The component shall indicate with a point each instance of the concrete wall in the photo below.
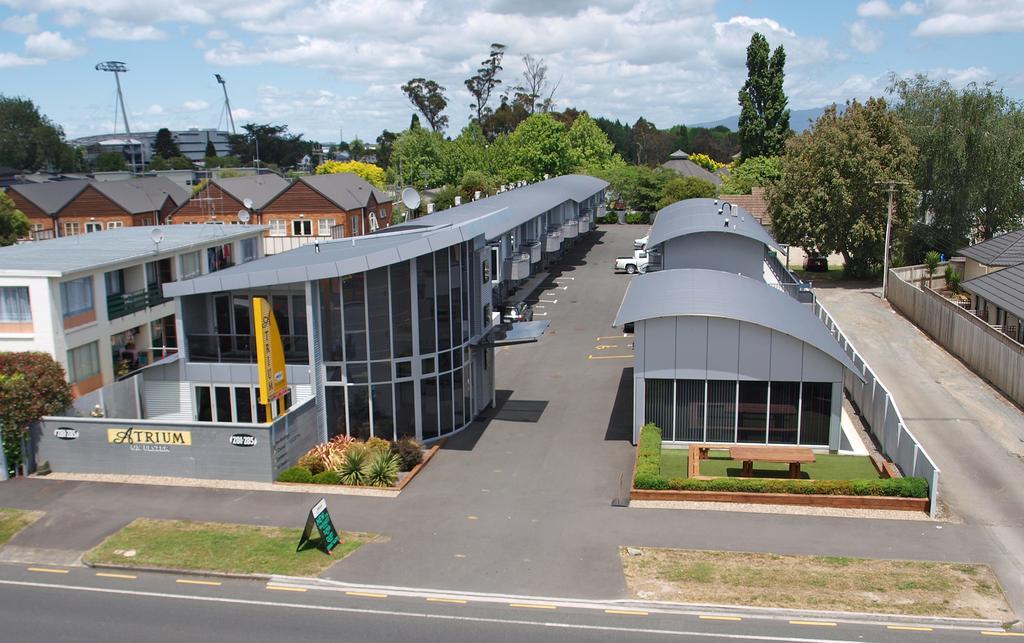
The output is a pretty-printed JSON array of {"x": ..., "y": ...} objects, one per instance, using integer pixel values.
[
  {"x": 293, "y": 435},
  {"x": 715, "y": 251},
  {"x": 986, "y": 351}
]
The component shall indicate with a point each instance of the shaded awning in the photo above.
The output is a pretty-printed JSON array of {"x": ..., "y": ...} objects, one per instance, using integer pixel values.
[{"x": 515, "y": 333}]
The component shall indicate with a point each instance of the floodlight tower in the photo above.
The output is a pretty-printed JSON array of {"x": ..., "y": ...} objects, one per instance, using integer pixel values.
[
  {"x": 118, "y": 68},
  {"x": 227, "y": 103}
]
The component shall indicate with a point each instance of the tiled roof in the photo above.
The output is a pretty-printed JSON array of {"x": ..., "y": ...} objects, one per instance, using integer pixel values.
[
  {"x": 1004, "y": 250},
  {"x": 1004, "y": 288},
  {"x": 754, "y": 203}
]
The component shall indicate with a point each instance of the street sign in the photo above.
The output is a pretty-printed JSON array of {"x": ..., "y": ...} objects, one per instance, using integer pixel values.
[{"x": 320, "y": 518}]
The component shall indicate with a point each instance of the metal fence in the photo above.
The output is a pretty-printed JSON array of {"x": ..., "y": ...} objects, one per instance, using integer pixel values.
[
  {"x": 986, "y": 351},
  {"x": 882, "y": 415}
]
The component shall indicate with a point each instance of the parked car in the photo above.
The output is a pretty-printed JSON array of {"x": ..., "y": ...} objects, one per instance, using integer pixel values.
[
  {"x": 641, "y": 243},
  {"x": 634, "y": 264},
  {"x": 517, "y": 313},
  {"x": 816, "y": 263},
  {"x": 628, "y": 328}
]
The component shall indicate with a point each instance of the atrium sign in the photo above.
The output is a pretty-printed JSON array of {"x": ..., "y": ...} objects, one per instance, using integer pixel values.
[{"x": 153, "y": 440}]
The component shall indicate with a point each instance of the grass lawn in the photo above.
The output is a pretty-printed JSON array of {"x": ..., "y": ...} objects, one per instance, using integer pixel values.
[
  {"x": 814, "y": 582},
  {"x": 835, "y": 273},
  {"x": 218, "y": 547},
  {"x": 825, "y": 467},
  {"x": 14, "y": 520}
]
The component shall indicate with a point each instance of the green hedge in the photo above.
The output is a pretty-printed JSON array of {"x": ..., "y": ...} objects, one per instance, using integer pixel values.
[
  {"x": 638, "y": 217},
  {"x": 295, "y": 474},
  {"x": 327, "y": 477},
  {"x": 648, "y": 460}
]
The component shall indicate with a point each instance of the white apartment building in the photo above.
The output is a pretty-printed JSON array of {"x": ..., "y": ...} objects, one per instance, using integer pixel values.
[{"x": 95, "y": 302}]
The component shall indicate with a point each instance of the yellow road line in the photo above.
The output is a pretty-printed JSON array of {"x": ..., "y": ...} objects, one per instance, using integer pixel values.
[
  {"x": 609, "y": 356},
  {"x": 627, "y": 612},
  {"x": 47, "y": 570},
  {"x": 708, "y": 617},
  {"x": 999, "y": 633},
  {"x": 909, "y": 628},
  {"x": 282, "y": 588},
  {"x": 614, "y": 337},
  {"x": 186, "y": 581},
  {"x": 458, "y": 601},
  {"x": 820, "y": 623},
  {"x": 534, "y": 606},
  {"x": 367, "y": 594},
  {"x": 109, "y": 575}
]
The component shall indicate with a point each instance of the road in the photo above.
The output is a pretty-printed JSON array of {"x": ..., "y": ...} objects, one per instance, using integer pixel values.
[{"x": 82, "y": 605}]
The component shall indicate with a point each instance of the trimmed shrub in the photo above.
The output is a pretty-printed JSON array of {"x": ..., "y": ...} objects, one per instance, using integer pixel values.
[
  {"x": 648, "y": 461},
  {"x": 295, "y": 474},
  {"x": 892, "y": 487},
  {"x": 353, "y": 465},
  {"x": 327, "y": 477},
  {"x": 313, "y": 462},
  {"x": 382, "y": 470},
  {"x": 638, "y": 217},
  {"x": 409, "y": 452},
  {"x": 378, "y": 444}
]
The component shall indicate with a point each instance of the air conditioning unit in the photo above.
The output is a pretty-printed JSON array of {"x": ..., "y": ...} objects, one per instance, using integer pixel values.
[{"x": 458, "y": 200}]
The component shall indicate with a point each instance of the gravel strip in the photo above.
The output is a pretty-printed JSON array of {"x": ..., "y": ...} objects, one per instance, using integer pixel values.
[
  {"x": 238, "y": 485},
  {"x": 781, "y": 509}
]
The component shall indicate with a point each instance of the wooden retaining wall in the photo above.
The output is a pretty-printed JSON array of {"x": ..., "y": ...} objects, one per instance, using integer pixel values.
[{"x": 801, "y": 499}]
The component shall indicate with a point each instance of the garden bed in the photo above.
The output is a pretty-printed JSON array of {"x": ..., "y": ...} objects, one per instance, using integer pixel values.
[{"x": 333, "y": 468}]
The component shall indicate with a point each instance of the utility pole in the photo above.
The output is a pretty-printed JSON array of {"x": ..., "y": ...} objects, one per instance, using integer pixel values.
[{"x": 891, "y": 189}]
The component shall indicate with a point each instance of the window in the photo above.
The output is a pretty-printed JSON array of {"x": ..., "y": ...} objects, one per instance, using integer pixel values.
[
  {"x": 76, "y": 296},
  {"x": 815, "y": 413},
  {"x": 302, "y": 227},
  {"x": 277, "y": 227},
  {"x": 782, "y": 412},
  {"x": 721, "y": 410},
  {"x": 248, "y": 247},
  {"x": 355, "y": 225},
  {"x": 93, "y": 226},
  {"x": 324, "y": 227},
  {"x": 114, "y": 224},
  {"x": 753, "y": 412},
  {"x": 72, "y": 228},
  {"x": 14, "y": 305},
  {"x": 190, "y": 266},
  {"x": 689, "y": 410},
  {"x": 658, "y": 405},
  {"x": 114, "y": 281},
  {"x": 495, "y": 263},
  {"x": 83, "y": 362},
  {"x": 218, "y": 258}
]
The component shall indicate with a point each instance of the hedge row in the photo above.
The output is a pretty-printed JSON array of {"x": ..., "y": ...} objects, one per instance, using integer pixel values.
[{"x": 648, "y": 459}]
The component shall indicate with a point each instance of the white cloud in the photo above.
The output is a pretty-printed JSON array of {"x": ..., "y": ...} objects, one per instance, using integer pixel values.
[
  {"x": 863, "y": 38},
  {"x": 911, "y": 9},
  {"x": 28, "y": 23},
  {"x": 971, "y": 17},
  {"x": 217, "y": 34},
  {"x": 51, "y": 46},
  {"x": 875, "y": 9},
  {"x": 155, "y": 109},
  {"x": 116, "y": 30},
  {"x": 194, "y": 105},
  {"x": 9, "y": 60}
]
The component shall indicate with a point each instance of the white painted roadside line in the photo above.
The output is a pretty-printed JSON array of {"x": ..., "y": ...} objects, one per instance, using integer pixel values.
[
  {"x": 540, "y": 314},
  {"x": 420, "y": 615},
  {"x": 548, "y": 301},
  {"x": 560, "y": 278}
]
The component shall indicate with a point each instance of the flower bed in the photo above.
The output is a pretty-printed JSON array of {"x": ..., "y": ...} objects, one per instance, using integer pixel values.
[
  {"x": 346, "y": 461},
  {"x": 650, "y": 484}
]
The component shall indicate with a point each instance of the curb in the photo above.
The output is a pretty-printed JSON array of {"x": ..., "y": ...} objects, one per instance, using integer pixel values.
[{"x": 177, "y": 571}]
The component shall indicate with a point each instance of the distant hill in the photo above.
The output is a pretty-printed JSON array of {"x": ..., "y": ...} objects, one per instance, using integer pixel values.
[{"x": 799, "y": 120}]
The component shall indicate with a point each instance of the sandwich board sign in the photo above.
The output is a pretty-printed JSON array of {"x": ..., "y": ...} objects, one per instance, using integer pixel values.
[{"x": 320, "y": 519}]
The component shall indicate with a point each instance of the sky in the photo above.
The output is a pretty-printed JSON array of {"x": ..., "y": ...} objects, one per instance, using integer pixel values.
[{"x": 333, "y": 69}]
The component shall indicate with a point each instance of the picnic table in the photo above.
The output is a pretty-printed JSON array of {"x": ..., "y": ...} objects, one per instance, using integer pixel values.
[{"x": 794, "y": 456}]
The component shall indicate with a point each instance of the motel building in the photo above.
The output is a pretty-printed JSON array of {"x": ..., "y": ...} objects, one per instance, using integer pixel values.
[
  {"x": 390, "y": 334},
  {"x": 727, "y": 346}
]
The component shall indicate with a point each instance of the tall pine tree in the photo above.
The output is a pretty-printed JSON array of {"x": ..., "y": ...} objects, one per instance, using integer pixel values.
[{"x": 764, "y": 117}]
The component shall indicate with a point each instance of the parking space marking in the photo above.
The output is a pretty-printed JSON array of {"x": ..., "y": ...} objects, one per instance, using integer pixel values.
[
  {"x": 123, "y": 576},
  {"x": 548, "y": 301},
  {"x": 186, "y": 581},
  {"x": 47, "y": 570},
  {"x": 569, "y": 278},
  {"x": 614, "y": 337},
  {"x": 609, "y": 356}
]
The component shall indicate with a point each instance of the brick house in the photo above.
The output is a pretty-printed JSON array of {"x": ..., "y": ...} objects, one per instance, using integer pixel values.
[
  {"x": 313, "y": 206},
  {"x": 220, "y": 200},
  {"x": 754, "y": 203},
  {"x": 66, "y": 208}
]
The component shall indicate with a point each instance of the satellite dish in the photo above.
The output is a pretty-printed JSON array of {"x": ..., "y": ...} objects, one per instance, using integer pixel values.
[
  {"x": 247, "y": 203},
  {"x": 157, "y": 235},
  {"x": 410, "y": 198},
  {"x": 243, "y": 215}
]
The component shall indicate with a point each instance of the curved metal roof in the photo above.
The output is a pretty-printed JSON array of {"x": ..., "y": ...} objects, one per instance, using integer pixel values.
[
  {"x": 692, "y": 216},
  {"x": 713, "y": 293}
]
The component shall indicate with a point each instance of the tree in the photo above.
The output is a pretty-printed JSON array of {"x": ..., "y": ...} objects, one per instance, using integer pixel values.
[
  {"x": 618, "y": 134},
  {"x": 474, "y": 181},
  {"x": 686, "y": 187},
  {"x": 756, "y": 171},
  {"x": 482, "y": 84},
  {"x": 764, "y": 117},
  {"x": 970, "y": 163},
  {"x": 445, "y": 197},
  {"x": 428, "y": 97},
  {"x": 222, "y": 161},
  {"x": 931, "y": 262},
  {"x": 110, "y": 162},
  {"x": 14, "y": 224},
  {"x": 540, "y": 146},
  {"x": 173, "y": 163},
  {"x": 535, "y": 83},
  {"x": 831, "y": 197},
  {"x": 414, "y": 122},
  {"x": 639, "y": 186},
  {"x": 32, "y": 385},
  {"x": 416, "y": 158},
  {"x": 357, "y": 148},
  {"x": 273, "y": 143},
  {"x": 211, "y": 150},
  {"x": 385, "y": 143},
  {"x": 506, "y": 118},
  {"x": 165, "y": 146},
  {"x": 649, "y": 145},
  {"x": 588, "y": 145},
  {"x": 29, "y": 141},
  {"x": 367, "y": 171}
]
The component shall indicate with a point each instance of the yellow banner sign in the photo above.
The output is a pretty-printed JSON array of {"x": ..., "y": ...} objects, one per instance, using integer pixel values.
[
  {"x": 162, "y": 437},
  {"x": 269, "y": 353}
]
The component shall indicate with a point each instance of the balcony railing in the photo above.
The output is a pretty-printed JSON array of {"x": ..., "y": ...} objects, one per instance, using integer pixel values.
[
  {"x": 533, "y": 249},
  {"x": 121, "y": 304},
  {"x": 518, "y": 266},
  {"x": 241, "y": 349},
  {"x": 553, "y": 239}
]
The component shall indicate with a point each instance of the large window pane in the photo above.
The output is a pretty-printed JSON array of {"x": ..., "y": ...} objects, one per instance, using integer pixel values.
[
  {"x": 405, "y": 410},
  {"x": 14, "y": 304},
  {"x": 359, "y": 412},
  {"x": 721, "y": 411},
  {"x": 428, "y": 402},
  {"x": 335, "y": 410},
  {"x": 352, "y": 297},
  {"x": 383, "y": 413},
  {"x": 401, "y": 309},
  {"x": 299, "y": 315},
  {"x": 455, "y": 277},
  {"x": 447, "y": 419},
  {"x": 444, "y": 303},
  {"x": 815, "y": 413},
  {"x": 223, "y": 398},
  {"x": 782, "y": 416},
  {"x": 689, "y": 410},
  {"x": 83, "y": 362},
  {"x": 753, "y": 412},
  {"x": 204, "y": 406},
  {"x": 425, "y": 301},
  {"x": 658, "y": 405},
  {"x": 243, "y": 404},
  {"x": 377, "y": 309},
  {"x": 76, "y": 296},
  {"x": 460, "y": 410},
  {"x": 330, "y": 319}
]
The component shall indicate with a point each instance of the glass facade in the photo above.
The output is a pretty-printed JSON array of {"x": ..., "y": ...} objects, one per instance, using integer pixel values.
[
  {"x": 751, "y": 412},
  {"x": 395, "y": 345}
]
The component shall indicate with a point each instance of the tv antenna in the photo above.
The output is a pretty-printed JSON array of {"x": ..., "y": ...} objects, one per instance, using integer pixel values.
[
  {"x": 118, "y": 68},
  {"x": 227, "y": 104}
]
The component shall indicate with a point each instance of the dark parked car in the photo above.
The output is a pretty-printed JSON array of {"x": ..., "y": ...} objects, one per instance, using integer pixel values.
[
  {"x": 627, "y": 328},
  {"x": 517, "y": 313},
  {"x": 816, "y": 263}
]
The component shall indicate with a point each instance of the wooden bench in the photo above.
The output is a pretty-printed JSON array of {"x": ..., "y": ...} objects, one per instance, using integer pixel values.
[
  {"x": 885, "y": 468},
  {"x": 697, "y": 452},
  {"x": 794, "y": 456}
]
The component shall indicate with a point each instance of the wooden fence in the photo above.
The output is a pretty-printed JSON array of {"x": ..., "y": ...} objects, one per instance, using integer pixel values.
[{"x": 986, "y": 351}]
